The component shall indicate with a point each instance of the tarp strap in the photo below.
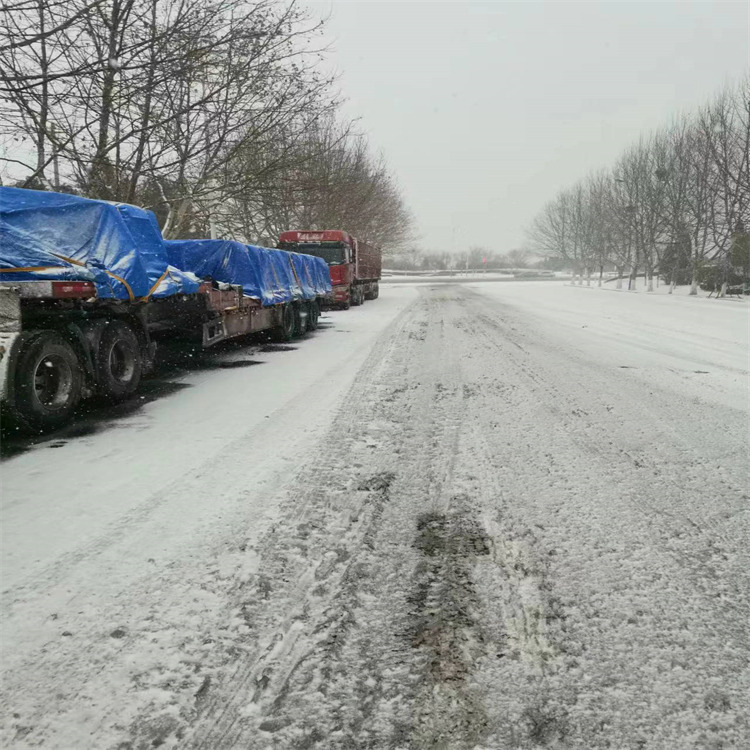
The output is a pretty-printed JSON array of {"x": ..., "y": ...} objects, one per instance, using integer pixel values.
[
  {"x": 123, "y": 282},
  {"x": 109, "y": 273},
  {"x": 275, "y": 275},
  {"x": 155, "y": 286},
  {"x": 31, "y": 269},
  {"x": 294, "y": 271},
  {"x": 309, "y": 277}
]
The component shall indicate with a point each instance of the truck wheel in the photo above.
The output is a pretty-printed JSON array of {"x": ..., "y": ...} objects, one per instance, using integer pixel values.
[
  {"x": 356, "y": 296},
  {"x": 118, "y": 361},
  {"x": 312, "y": 315},
  {"x": 300, "y": 320},
  {"x": 375, "y": 290},
  {"x": 47, "y": 382},
  {"x": 285, "y": 330}
]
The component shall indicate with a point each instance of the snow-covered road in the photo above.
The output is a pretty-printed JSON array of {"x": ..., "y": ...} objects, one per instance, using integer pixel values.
[{"x": 463, "y": 516}]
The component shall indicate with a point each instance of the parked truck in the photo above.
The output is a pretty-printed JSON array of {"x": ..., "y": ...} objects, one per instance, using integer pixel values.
[
  {"x": 354, "y": 265},
  {"x": 86, "y": 285}
]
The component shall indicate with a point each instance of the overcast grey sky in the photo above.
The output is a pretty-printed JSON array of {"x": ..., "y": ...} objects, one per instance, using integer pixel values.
[{"x": 485, "y": 109}]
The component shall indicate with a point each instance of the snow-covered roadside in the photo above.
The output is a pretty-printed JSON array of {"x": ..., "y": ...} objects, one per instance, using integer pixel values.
[
  {"x": 459, "y": 277},
  {"x": 640, "y": 288},
  {"x": 103, "y": 536},
  {"x": 698, "y": 344}
]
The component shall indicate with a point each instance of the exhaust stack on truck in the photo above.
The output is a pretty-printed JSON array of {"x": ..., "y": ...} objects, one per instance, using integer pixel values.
[{"x": 354, "y": 265}]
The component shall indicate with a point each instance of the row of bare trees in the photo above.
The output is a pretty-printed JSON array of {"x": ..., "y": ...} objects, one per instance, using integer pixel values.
[
  {"x": 675, "y": 205},
  {"x": 215, "y": 113},
  {"x": 476, "y": 258}
]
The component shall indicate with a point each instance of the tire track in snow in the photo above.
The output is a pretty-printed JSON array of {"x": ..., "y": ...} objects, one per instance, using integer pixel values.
[
  {"x": 563, "y": 472},
  {"x": 574, "y": 419},
  {"x": 335, "y": 671}
]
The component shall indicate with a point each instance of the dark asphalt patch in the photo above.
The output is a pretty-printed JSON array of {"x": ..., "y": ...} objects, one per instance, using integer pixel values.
[
  {"x": 445, "y": 629},
  {"x": 277, "y": 348}
]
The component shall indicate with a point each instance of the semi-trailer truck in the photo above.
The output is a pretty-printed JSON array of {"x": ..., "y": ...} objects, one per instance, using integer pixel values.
[
  {"x": 354, "y": 265},
  {"x": 85, "y": 285}
]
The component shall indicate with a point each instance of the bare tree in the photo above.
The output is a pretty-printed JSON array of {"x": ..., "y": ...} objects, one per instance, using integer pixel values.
[{"x": 677, "y": 200}]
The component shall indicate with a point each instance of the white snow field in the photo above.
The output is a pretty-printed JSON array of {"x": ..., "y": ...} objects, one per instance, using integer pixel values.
[{"x": 464, "y": 516}]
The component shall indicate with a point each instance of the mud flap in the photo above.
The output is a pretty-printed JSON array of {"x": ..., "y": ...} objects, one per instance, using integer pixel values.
[{"x": 213, "y": 332}]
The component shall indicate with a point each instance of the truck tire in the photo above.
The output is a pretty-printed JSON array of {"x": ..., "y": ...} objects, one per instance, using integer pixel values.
[
  {"x": 300, "y": 320},
  {"x": 356, "y": 296},
  {"x": 313, "y": 315},
  {"x": 47, "y": 382},
  {"x": 118, "y": 361},
  {"x": 285, "y": 330},
  {"x": 375, "y": 290}
]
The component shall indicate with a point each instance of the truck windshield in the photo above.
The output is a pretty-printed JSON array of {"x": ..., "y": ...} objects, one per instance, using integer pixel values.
[{"x": 333, "y": 254}]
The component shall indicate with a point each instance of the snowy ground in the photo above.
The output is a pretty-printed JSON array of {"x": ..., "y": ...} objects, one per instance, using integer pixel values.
[
  {"x": 459, "y": 276},
  {"x": 463, "y": 516}
]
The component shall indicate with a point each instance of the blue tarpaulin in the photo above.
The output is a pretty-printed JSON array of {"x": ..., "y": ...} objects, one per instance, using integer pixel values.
[
  {"x": 271, "y": 276},
  {"x": 223, "y": 260},
  {"x": 281, "y": 269},
  {"x": 276, "y": 273},
  {"x": 313, "y": 274},
  {"x": 321, "y": 273},
  {"x": 303, "y": 272},
  {"x": 54, "y": 236},
  {"x": 295, "y": 275},
  {"x": 118, "y": 247}
]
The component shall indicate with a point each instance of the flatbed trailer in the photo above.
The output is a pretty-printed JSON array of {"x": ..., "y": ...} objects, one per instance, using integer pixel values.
[
  {"x": 59, "y": 343},
  {"x": 86, "y": 285}
]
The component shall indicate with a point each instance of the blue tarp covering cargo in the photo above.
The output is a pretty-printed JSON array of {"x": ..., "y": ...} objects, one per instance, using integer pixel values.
[
  {"x": 274, "y": 289},
  {"x": 226, "y": 261},
  {"x": 277, "y": 273},
  {"x": 264, "y": 274},
  {"x": 282, "y": 265},
  {"x": 304, "y": 271},
  {"x": 322, "y": 274},
  {"x": 52, "y": 236}
]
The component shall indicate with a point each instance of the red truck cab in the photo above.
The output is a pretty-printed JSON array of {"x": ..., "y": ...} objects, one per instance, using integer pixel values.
[{"x": 354, "y": 265}]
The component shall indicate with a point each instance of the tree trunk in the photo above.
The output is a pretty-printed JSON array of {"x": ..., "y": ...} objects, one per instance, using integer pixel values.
[
  {"x": 55, "y": 157},
  {"x": 694, "y": 283},
  {"x": 146, "y": 116},
  {"x": 175, "y": 226},
  {"x": 694, "y": 270},
  {"x": 723, "y": 290},
  {"x": 101, "y": 167},
  {"x": 41, "y": 157},
  {"x": 601, "y": 273},
  {"x": 619, "y": 277},
  {"x": 650, "y": 280}
]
